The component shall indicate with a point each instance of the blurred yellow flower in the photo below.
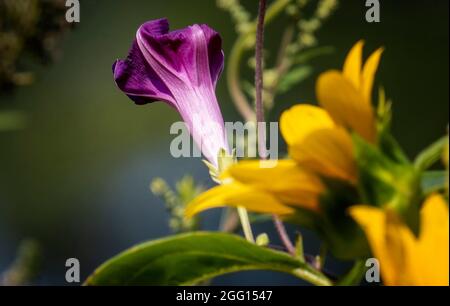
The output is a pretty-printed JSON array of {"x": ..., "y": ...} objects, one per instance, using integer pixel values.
[
  {"x": 319, "y": 144},
  {"x": 347, "y": 95},
  {"x": 404, "y": 258},
  {"x": 319, "y": 138}
]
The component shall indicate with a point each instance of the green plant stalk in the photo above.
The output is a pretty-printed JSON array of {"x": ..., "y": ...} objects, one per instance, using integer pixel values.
[
  {"x": 283, "y": 63},
  {"x": 229, "y": 220},
  {"x": 233, "y": 72},
  {"x": 245, "y": 222}
]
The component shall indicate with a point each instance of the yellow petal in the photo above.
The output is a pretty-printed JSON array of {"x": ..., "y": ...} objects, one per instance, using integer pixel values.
[
  {"x": 317, "y": 143},
  {"x": 353, "y": 64},
  {"x": 236, "y": 194},
  {"x": 328, "y": 152},
  {"x": 301, "y": 120},
  {"x": 392, "y": 243},
  {"x": 345, "y": 104},
  {"x": 404, "y": 259},
  {"x": 287, "y": 181},
  {"x": 434, "y": 242},
  {"x": 368, "y": 74},
  {"x": 373, "y": 222}
]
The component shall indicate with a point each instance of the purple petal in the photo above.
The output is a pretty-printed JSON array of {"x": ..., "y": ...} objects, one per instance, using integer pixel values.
[
  {"x": 136, "y": 78},
  {"x": 156, "y": 27},
  {"x": 215, "y": 53}
]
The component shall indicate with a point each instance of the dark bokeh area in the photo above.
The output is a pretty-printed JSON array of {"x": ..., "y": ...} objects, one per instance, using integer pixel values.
[{"x": 76, "y": 176}]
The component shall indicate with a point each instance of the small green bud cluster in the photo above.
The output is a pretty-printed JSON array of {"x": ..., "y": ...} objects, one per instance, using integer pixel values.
[{"x": 185, "y": 191}]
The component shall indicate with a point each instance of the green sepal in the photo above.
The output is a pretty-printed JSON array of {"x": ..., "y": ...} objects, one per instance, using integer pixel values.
[{"x": 385, "y": 180}]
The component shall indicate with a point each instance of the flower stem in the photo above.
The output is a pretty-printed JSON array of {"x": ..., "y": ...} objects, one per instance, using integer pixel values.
[
  {"x": 281, "y": 230},
  {"x": 259, "y": 79},
  {"x": 234, "y": 63},
  {"x": 259, "y": 85},
  {"x": 245, "y": 222},
  {"x": 233, "y": 72},
  {"x": 229, "y": 220},
  {"x": 243, "y": 215},
  {"x": 283, "y": 64}
]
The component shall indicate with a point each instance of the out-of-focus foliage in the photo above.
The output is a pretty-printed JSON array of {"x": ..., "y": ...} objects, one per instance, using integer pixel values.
[
  {"x": 11, "y": 120},
  {"x": 25, "y": 267},
  {"x": 28, "y": 29}
]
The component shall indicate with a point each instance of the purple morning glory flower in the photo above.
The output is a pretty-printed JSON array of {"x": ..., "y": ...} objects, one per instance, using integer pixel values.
[{"x": 180, "y": 68}]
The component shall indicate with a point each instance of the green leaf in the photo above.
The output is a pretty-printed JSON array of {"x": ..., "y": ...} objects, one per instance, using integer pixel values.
[
  {"x": 433, "y": 181},
  {"x": 294, "y": 77},
  {"x": 249, "y": 89},
  {"x": 188, "y": 259},
  {"x": 355, "y": 276},
  {"x": 431, "y": 155},
  {"x": 308, "y": 55}
]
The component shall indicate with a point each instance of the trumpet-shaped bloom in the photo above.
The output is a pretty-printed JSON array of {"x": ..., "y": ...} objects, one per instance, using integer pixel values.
[
  {"x": 404, "y": 258},
  {"x": 181, "y": 68}
]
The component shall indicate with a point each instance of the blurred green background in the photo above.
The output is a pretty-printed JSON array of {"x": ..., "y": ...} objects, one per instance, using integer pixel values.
[{"x": 76, "y": 176}]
